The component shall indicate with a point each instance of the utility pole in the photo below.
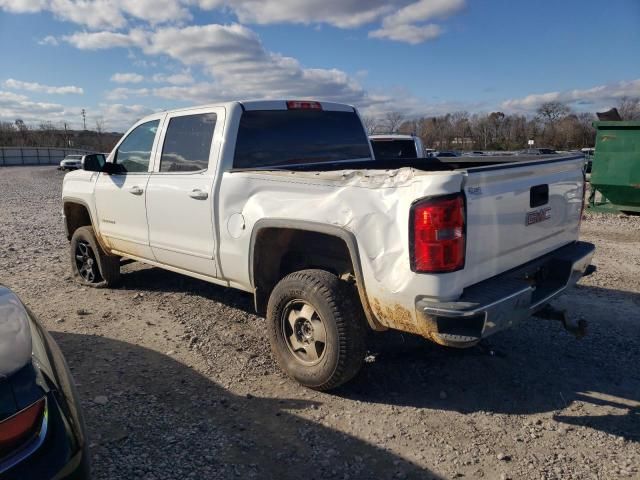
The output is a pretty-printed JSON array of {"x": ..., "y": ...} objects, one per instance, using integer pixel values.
[
  {"x": 66, "y": 136},
  {"x": 84, "y": 118}
]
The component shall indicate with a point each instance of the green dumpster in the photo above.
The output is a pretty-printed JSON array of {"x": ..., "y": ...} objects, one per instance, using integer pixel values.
[{"x": 615, "y": 172}]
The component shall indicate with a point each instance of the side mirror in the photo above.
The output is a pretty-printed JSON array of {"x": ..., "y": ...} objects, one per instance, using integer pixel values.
[{"x": 93, "y": 162}]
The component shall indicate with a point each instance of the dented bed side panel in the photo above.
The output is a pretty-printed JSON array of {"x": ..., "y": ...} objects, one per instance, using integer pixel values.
[{"x": 372, "y": 205}]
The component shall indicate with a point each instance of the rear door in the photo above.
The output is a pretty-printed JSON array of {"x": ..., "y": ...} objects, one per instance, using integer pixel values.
[
  {"x": 516, "y": 213},
  {"x": 180, "y": 191},
  {"x": 120, "y": 198}
]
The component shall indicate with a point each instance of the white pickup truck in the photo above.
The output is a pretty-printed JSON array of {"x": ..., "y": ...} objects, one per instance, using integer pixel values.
[{"x": 284, "y": 199}]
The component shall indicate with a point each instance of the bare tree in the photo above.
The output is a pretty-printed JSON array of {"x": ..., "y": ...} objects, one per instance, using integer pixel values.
[
  {"x": 629, "y": 108},
  {"x": 370, "y": 124},
  {"x": 393, "y": 120},
  {"x": 551, "y": 112}
]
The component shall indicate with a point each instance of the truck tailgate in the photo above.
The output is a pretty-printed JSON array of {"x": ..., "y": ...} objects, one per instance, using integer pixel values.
[{"x": 518, "y": 212}]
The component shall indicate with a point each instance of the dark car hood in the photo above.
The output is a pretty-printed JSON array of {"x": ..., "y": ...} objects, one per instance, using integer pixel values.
[{"x": 15, "y": 333}]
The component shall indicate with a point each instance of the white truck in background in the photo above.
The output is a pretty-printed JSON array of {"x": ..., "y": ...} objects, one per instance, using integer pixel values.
[
  {"x": 395, "y": 145},
  {"x": 284, "y": 199}
]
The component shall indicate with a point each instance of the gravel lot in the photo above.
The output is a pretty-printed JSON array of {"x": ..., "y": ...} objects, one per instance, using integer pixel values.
[{"x": 176, "y": 379}]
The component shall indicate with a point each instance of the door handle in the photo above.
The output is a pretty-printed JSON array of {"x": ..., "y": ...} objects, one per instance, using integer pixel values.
[
  {"x": 198, "y": 194},
  {"x": 136, "y": 190}
]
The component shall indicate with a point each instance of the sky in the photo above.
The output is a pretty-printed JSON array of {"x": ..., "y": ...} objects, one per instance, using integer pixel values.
[{"x": 120, "y": 60}]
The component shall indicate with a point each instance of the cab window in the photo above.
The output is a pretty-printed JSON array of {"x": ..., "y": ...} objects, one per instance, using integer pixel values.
[
  {"x": 134, "y": 153},
  {"x": 187, "y": 143}
]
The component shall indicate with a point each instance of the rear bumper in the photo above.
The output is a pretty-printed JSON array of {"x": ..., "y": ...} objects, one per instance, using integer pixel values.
[{"x": 506, "y": 299}]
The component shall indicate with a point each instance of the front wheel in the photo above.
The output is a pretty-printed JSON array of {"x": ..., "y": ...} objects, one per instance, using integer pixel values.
[
  {"x": 89, "y": 264},
  {"x": 316, "y": 329}
]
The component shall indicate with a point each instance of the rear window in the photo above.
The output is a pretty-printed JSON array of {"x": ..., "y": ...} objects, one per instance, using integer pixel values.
[
  {"x": 390, "y": 149},
  {"x": 270, "y": 138}
]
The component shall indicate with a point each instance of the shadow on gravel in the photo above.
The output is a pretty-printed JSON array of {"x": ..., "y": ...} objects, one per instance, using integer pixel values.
[
  {"x": 153, "y": 279},
  {"x": 163, "y": 420},
  {"x": 534, "y": 368}
]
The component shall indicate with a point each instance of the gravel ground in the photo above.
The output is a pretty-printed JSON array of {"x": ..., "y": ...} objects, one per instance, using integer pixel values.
[{"x": 176, "y": 380}]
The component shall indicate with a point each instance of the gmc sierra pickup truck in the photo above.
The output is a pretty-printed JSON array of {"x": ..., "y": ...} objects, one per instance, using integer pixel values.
[{"x": 284, "y": 199}]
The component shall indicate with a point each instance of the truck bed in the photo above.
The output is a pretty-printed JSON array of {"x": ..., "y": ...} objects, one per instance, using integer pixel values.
[{"x": 430, "y": 164}]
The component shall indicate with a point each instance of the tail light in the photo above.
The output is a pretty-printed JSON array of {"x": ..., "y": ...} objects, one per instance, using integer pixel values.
[
  {"x": 303, "y": 105},
  {"x": 437, "y": 234},
  {"x": 20, "y": 427}
]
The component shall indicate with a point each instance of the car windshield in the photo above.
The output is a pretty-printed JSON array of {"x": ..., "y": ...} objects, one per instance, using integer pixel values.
[
  {"x": 281, "y": 138},
  {"x": 384, "y": 149}
]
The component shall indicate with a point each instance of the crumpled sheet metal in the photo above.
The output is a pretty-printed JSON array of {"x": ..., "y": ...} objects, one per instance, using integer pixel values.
[{"x": 373, "y": 205}]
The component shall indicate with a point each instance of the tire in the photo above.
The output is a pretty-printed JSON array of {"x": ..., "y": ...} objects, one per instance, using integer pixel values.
[
  {"x": 89, "y": 264},
  {"x": 306, "y": 307}
]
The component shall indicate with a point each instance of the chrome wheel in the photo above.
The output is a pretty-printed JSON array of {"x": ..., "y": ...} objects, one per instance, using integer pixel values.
[
  {"x": 304, "y": 332},
  {"x": 86, "y": 262}
]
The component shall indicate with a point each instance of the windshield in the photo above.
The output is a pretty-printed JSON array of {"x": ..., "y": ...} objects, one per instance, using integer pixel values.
[
  {"x": 389, "y": 149},
  {"x": 274, "y": 138}
]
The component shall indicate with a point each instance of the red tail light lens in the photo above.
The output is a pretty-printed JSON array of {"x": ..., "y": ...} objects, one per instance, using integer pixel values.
[
  {"x": 438, "y": 234},
  {"x": 18, "y": 428},
  {"x": 303, "y": 105}
]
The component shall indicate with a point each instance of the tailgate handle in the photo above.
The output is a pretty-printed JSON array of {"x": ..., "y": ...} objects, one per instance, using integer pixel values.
[{"x": 539, "y": 195}]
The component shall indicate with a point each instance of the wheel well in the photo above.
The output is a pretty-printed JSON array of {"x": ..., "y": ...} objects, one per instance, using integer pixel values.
[
  {"x": 280, "y": 251},
  {"x": 76, "y": 216}
]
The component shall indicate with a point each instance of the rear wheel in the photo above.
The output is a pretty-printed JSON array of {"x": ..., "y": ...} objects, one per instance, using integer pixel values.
[
  {"x": 316, "y": 329},
  {"x": 89, "y": 264}
]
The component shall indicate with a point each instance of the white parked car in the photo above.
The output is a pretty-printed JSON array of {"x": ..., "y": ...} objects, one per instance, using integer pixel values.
[
  {"x": 71, "y": 162},
  {"x": 284, "y": 199}
]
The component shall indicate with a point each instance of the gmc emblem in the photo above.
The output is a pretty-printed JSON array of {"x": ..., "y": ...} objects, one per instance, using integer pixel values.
[{"x": 538, "y": 216}]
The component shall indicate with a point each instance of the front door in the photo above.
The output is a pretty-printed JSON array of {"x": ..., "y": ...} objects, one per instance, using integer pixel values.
[
  {"x": 180, "y": 191},
  {"x": 120, "y": 197}
]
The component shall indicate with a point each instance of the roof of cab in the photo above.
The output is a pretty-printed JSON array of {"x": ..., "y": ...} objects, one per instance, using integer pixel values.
[
  {"x": 392, "y": 136},
  {"x": 262, "y": 105}
]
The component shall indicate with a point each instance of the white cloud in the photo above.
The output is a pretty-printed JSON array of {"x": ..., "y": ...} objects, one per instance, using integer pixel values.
[
  {"x": 339, "y": 13},
  {"x": 407, "y": 24},
  {"x": 37, "y": 87},
  {"x": 15, "y": 106},
  {"x": 408, "y": 21},
  {"x": 127, "y": 78},
  {"x": 105, "y": 40},
  {"x": 117, "y": 117},
  {"x": 48, "y": 40},
  {"x": 108, "y": 14},
  {"x": 123, "y": 93},
  {"x": 174, "y": 79},
  {"x": 402, "y": 20},
  {"x": 235, "y": 59},
  {"x": 601, "y": 96},
  {"x": 23, "y": 6},
  {"x": 412, "y": 34}
]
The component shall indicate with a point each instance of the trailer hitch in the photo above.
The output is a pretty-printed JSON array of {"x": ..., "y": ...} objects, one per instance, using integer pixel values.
[{"x": 578, "y": 327}]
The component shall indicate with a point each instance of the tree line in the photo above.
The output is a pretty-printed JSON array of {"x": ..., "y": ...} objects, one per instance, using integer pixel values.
[
  {"x": 47, "y": 134},
  {"x": 554, "y": 125}
]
